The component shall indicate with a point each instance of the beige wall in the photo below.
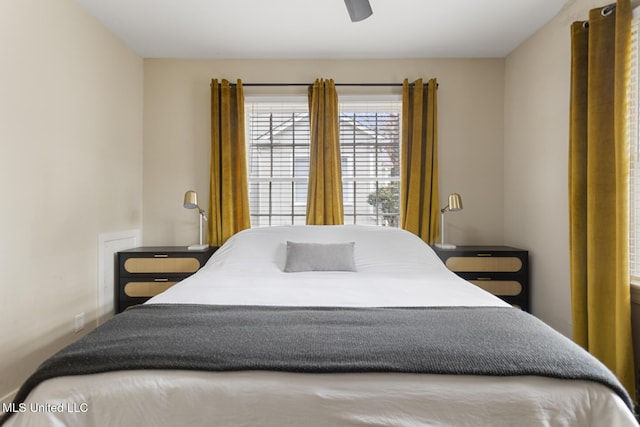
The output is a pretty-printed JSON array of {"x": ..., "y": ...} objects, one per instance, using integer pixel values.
[
  {"x": 70, "y": 169},
  {"x": 535, "y": 168},
  {"x": 177, "y": 132}
]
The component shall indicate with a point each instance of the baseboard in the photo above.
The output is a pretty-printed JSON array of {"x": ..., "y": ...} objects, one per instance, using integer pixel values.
[{"x": 9, "y": 397}]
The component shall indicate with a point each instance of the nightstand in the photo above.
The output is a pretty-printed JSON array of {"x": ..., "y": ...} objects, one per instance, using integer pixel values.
[
  {"x": 501, "y": 270},
  {"x": 146, "y": 271}
]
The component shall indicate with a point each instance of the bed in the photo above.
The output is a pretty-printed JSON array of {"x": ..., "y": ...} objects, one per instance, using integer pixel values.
[{"x": 322, "y": 326}]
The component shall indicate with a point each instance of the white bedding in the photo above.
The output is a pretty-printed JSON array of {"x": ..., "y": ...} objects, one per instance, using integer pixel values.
[
  {"x": 270, "y": 399},
  {"x": 394, "y": 269}
]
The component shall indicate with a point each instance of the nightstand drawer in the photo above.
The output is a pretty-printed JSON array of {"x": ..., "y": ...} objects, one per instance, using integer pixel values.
[
  {"x": 161, "y": 263},
  {"x": 484, "y": 262},
  {"x": 145, "y": 288},
  {"x": 499, "y": 287},
  {"x": 162, "y": 260}
]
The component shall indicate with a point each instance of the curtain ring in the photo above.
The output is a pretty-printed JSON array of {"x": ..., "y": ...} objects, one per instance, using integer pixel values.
[{"x": 607, "y": 10}]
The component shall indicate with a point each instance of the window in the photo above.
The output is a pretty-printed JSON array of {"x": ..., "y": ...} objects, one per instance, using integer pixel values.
[{"x": 278, "y": 160}]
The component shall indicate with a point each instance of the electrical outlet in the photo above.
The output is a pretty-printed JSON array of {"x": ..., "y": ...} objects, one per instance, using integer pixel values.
[{"x": 79, "y": 324}]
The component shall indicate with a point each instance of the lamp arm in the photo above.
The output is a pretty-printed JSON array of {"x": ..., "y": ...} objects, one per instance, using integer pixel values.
[
  {"x": 442, "y": 226},
  {"x": 204, "y": 215}
]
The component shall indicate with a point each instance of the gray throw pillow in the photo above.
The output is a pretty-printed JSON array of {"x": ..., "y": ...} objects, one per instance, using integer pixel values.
[{"x": 320, "y": 257}]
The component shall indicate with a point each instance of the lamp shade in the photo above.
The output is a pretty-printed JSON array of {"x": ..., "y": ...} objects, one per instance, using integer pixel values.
[
  {"x": 455, "y": 202},
  {"x": 358, "y": 9},
  {"x": 190, "y": 199}
]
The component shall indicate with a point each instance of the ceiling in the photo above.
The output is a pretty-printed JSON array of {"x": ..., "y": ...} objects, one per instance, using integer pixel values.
[{"x": 321, "y": 29}]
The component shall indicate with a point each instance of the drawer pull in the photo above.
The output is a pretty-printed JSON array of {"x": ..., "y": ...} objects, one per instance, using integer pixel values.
[
  {"x": 161, "y": 255},
  {"x": 160, "y": 280},
  {"x": 483, "y": 278},
  {"x": 484, "y": 254}
]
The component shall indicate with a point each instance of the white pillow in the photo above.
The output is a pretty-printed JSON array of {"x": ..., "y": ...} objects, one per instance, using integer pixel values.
[{"x": 320, "y": 257}]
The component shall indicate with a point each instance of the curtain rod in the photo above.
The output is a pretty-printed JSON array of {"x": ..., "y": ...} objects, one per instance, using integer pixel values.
[
  {"x": 606, "y": 11},
  {"x": 311, "y": 84}
]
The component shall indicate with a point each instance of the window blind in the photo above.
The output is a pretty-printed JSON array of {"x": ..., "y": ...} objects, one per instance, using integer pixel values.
[
  {"x": 370, "y": 148},
  {"x": 278, "y": 161}
]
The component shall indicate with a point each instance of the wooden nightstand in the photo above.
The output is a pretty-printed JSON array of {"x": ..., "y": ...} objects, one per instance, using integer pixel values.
[
  {"x": 146, "y": 271},
  {"x": 501, "y": 270}
]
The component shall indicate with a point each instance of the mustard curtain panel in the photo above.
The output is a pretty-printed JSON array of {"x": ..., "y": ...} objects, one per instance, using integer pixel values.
[
  {"x": 598, "y": 189},
  {"x": 324, "y": 198},
  {"x": 419, "y": 211},
  {"x": 229, "y": 200}
]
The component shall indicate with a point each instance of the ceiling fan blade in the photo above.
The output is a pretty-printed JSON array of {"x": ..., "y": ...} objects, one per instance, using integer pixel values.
[{"x": 358, "y": 9}]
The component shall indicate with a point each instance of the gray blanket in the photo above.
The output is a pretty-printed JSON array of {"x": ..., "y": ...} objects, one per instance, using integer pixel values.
[{"x": 467, "y": 341}]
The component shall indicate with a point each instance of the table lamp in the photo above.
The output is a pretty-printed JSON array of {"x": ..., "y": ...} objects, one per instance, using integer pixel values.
[
  {"x": 455, "y": 204},
  {"x": 191, "y": 202}
]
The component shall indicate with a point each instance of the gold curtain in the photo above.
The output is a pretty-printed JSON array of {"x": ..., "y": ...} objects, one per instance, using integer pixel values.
[
  {"x": 419, "y": 209},
  {"x": 324, "y": 197},
  {"x": 229, "y": 200},
  {"x": 598, "y": 189}
]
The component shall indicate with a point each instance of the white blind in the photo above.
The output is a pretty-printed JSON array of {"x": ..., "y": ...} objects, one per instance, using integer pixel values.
[
  {"x": 370, "y": 148},
  {"x": 278, "y": 160},
  {"x": 633, "y": 95}
]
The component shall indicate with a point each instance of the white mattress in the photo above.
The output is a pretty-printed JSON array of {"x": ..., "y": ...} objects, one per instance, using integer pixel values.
[{"x": 394, "y": 269}]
